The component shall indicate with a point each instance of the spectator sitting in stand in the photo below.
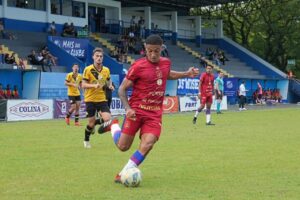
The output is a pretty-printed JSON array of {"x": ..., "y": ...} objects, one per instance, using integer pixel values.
[
  {"x": 203, "y": 62},
  {"x": 52, "y": 29},
  {"x": 33, "y": 58},
  {"x": 48, "y": 56},
  {"x": 164, "y": 51},
  {"x": 4, "y": 34},
  {"x": 43, "y": 61},
  {"x": 10, "y": 59},
  {"x": 22, "y": 63},
  {"x": 114, "y": 53},
  {"x": 73, "y": 30},
  {"x": 222, "y": 57},
  {"x": 66, "y": 30}
]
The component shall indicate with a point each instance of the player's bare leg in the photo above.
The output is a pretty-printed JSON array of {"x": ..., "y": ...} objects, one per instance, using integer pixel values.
[
  {"x": 197, "y": 113},
  {"x": 104, "y": 121},
  {"x": 147, "y": 142},
  {"x": 70, "y": 111}
]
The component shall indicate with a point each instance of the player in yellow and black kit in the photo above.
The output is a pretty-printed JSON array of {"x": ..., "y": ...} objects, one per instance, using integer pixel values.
[
  {"x": 95, "y": 78},
  {"x": 73, "y": 81}
]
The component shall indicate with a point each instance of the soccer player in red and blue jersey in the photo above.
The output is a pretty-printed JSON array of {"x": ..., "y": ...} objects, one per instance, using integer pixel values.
[
  {"x": 148, "y": 78},
  {"x": 206, "y": 86}
]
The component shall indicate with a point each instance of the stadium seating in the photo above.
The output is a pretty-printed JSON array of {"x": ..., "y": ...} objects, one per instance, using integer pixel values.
[
  {"x": 25, "y": 42},
  {"x": 234, "y": 66}
]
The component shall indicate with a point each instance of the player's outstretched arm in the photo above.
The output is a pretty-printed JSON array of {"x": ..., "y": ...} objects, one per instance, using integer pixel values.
[
  {"x": 130, "y": 113},
  {"x": 191, "y": 72}
]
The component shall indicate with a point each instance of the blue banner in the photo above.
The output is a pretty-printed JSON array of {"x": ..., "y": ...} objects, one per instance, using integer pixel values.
[
  {"x": 230, "y": 87},
  {"x": 75, "y": 47},
  {"x": 188, "y": 86}
]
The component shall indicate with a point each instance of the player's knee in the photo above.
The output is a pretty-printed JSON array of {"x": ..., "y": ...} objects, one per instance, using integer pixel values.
[{"x": 123, "y": 147}]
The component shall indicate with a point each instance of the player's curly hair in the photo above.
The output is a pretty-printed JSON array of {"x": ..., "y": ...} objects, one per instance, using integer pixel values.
[{"x": 154, "y": 40}]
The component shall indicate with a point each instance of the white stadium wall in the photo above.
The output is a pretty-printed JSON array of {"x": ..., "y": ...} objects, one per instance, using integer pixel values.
[
  {"x": 113, "y": 11},
  {"x": 60, "y": 19},
  {"x": 26, "y": 14},
  {"x": 186, "y": 28},
  {"x": 127, "y": 14},
  {"x": 163, "y": 22}
]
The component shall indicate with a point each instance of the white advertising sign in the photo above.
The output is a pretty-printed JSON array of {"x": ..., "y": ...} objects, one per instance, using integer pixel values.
[
  {"x": 188, "y": 103},
  {"x": 116, "y": 107},
  {"x": 191, "y": 103},
  {"x": 20, "y": 110}
]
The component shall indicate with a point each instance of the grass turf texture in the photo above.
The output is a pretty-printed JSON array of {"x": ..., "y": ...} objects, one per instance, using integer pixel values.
[{"x": 247, "y": 155}]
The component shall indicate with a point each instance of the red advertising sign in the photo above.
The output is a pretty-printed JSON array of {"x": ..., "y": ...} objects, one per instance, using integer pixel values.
[{"x": 170, "y": 105}]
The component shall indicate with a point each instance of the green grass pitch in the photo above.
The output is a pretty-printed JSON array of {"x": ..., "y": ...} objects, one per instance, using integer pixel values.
[{"x": 247, "y": 155}]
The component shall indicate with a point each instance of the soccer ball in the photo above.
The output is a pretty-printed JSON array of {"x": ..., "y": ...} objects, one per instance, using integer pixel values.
[{"x": 132, "y": 177}]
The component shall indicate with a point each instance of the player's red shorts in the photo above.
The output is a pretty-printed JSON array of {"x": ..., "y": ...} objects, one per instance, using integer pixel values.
[
  {"x": 206, "y": 99},
  {"x": 146, "y": 124}
]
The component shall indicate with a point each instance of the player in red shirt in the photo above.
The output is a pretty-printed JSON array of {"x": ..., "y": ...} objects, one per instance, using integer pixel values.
[
  {"x": 147, "y": 77},
  {"x": 206, "y": 85}
]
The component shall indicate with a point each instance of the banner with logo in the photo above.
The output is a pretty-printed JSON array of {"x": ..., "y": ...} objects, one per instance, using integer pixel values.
[
  {"x": 188, "y": 103},
  {"x": 170, "y": 105},
  {"x": 188, "y": 86},
  {"x": 230, "y": 87},
  {"x": 116, "y": 107},
  {"x": 192, "y": 103},
  {"x": 19, "y": 110},
  {"x": 61, "y": 107},
  {"x": 75, "y": 47},
  {"x": 223, "y": 103}
]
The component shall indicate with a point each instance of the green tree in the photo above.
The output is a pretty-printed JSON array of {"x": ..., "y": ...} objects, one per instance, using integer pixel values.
[{"x": 267, "y": 27}]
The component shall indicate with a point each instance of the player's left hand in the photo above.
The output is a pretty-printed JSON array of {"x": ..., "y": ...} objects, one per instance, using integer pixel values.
[
  {"x": 193, "y": 71},
  {"x": 111, "y": 87}
]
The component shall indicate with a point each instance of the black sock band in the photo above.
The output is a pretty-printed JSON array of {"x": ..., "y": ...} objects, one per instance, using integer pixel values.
[
  {"x": 99, "y": 121},
  {"x": 69, "y": 114},
  {"x": 88, "y": 132},
  {"x": 76, "y": 118}
]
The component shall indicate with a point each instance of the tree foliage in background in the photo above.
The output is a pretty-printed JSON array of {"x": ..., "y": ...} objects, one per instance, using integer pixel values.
[{"x": 267, "y": 27}]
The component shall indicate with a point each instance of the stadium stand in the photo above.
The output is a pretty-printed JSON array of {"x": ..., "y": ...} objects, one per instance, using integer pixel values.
[
  {"x": 183, "y": 50},
  {"x": 27, "y": 41},
  {"x": 234, "y": 66}
]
